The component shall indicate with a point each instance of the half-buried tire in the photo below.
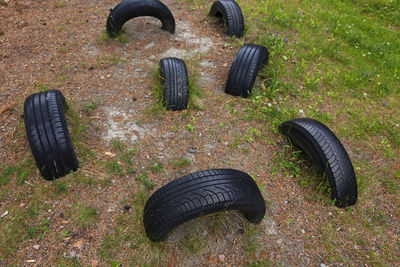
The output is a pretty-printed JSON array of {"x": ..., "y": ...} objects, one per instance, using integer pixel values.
[
  {"x": 199, "y": 194},
  {"x": 326, "y": 151},
  {"x": 232, "y": 14},
  {"x": 130, "y": 9},
  {"x": 175, "y": 83},
  {"x": 48, "y": 134},
  {"x": 244, "y": 70}
]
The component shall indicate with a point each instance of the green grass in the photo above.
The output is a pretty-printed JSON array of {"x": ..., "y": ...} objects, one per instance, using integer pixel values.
[
  {"x": 144, "y": 179},
  {"x": 128, "y": 243},
  {"x": 84, "y": 216},
  {"x": 181, "y": 163}
]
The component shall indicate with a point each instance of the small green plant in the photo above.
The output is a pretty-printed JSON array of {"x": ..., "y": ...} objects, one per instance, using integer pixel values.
[
  {"x": 114, "y": 167},
  {"x": 190, "y": 127},
  {"x": 118, "y": 145},
  {"x": 41, "y": 87},
  {"x": 181, "y": 163},
  {"x": 156, "y": 166},
  {"x": 61, "y": 186},
  {"x": 85, "y": 216},
  {"x": 144, "y": 179},
  {"x": 90, "y": 107},
  {"x": 121, "y": 37},
  {"x": 6, "y": 174},
  {"x": 194, "y": 243}
]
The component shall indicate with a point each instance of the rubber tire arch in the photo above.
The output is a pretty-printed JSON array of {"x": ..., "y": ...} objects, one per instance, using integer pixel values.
[
  {"x": 199, "y": 194},
  {"x": 232, "y": 15},
  {"x": 328, "y": 153},
  {"x": 175, "y": 83},
  {"x": 130, "y": 9},
  {"x": 48, "y": 135},
  {"x": 244, "y": 70}
]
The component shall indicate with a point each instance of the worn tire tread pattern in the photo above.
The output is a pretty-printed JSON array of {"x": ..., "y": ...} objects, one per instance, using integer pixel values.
[
  {"x": 232, "y": 14},
  {"x": 199, "y": 194},
  {"x": 176, "y": 83},
  {"x": 48, "y": 134},
  {"x": 130, "y": 9},
  {"x": 244, "y": 70},
  {"x": 325, "y": 149}
]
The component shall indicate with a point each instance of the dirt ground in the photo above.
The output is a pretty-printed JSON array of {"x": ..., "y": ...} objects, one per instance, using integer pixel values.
[{"x": 60, "y": 46}]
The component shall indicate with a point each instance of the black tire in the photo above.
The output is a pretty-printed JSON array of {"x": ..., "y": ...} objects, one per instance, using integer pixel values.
[
  {"x": 199, "y": 194},
  {"x": 244, "y": 69},
  {"x": 175, "y": 83},
  {"x": 232, "y": 14},
  {"x": 48, "y": 134},
  {"x": 326, "y": 151},
  {"x": 130, "y": 9}
]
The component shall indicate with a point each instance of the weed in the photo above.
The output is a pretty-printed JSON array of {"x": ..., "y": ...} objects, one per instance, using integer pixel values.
[
  {"x": 90, "y": 107},
  {"x": 129, "y": 233},
  {"x": 114, "y": 167},
  {"x": 194, "y": 243},
  {"x": 121, "y": 37},
  {"x": 144, "y": 179},
  {"x": 190, "y": 127},
  {"x": 156, "y": 166},
  {"x": 106, "y": 61},
  {"x": 118, "y": 145},
  {"x": 41, "y": 87},
  {"x": 85, "y": 216},
  {"x": 181, "y": 163},
  {"x": 5, "y": 175}
]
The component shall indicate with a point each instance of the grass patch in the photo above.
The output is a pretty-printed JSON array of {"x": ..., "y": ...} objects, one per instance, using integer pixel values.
[
  {"x": 84, "y": 216},
  {"x": 128, "y": 244},
  {"x": 181, "y": 163},
  {"x": 122, "y": 37},
  {"x": 144, "y": 179}
]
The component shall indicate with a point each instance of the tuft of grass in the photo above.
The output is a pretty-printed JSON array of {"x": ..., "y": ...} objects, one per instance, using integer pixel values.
[
  {"x": 85, "y": 216},
  {"x": 194, "y": 243},
  {"x": 122, "y": 38},
  {"x": 90, "y": 107},
  {"x": 41, "y": 87},
  {"x": 145, "y": 180},
  {"x": 109, "y": 60},
  {"x": 157, "y": 106},
  {"x": 118, "y": 145},
  {"x": 128, "y": 243},
  {"x": 181, "y": 163},
  {"x": 156, "y": 166},
  {"x": 6, "y": 174},
  {"x": 114, "y": 167}
]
